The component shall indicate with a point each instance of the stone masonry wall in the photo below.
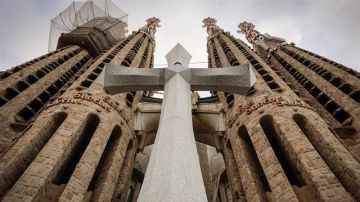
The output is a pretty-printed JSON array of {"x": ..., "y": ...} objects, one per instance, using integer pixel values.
[
  {"x": 83, "y": 155},
  {"x": 289, "y": 159}
]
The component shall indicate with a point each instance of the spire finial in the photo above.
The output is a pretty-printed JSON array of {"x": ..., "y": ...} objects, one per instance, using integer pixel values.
[
  {"x": 210, "y": 24},
  {"x": 248, "y": 29},
  {"x": 151, "y": 25}
]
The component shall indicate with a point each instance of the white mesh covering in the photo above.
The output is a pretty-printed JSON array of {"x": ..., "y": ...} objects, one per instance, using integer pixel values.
[{"x": 79, "y": 13}]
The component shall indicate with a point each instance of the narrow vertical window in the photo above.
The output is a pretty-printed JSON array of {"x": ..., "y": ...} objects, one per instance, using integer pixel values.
[
  {"x": 244, "y": 135},
  {"x": 68, "y": 168},
  {"x": 106, "y": 158},
  {"x": 272, "y": 133}
]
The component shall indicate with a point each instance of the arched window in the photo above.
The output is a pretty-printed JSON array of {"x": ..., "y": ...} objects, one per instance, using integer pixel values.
[
  {"x": 77, "y": 151},
  {"x": 106, "y": 158},
  {"x": 250, "y": 150},
  {"x": 272, "y": 133}
]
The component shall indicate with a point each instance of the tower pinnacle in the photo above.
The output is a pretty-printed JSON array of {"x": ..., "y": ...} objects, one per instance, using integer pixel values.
[
  {"x": 259, "y": 40},
  {"x": 248, "y": 29},
  {"x": 151, "y": 25},
  {"x": 211, "y": 27}
]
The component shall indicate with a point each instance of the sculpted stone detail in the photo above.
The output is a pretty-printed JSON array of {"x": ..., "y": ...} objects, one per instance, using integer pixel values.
[
  {"x": 250, "y": 107},
  {"x": 153, "y": 23},
  {"x": 210, "y": 25},
  {"x": 104, "y": 102},
  {"x": 150, "y": 27},
  {"x": 248, "y": 29},
  {"x": 262, "y": 40}
]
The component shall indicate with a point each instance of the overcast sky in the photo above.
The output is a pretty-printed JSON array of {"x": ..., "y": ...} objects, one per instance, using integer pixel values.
[{"x": 327, "y": 27}]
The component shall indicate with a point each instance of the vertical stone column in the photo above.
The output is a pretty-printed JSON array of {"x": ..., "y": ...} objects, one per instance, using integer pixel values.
[
  {"x": 249, "y": 175},
  {"x": 312, "y": 167},
  {"x": 233, "y": 173},
  {"x": 44, "y": 168},
  {"x": 108, "y": 178},
  {"x": 174, "y": 173},
  {"x": 124, "y": 179},
  {"x": 280, "y": 187}
]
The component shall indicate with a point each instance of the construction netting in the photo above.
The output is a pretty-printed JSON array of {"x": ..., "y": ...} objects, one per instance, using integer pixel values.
[{"x": 79, "y": 13}]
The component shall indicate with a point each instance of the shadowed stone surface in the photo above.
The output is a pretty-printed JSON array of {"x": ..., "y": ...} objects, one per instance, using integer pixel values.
[{"x": 174, "y": 172}]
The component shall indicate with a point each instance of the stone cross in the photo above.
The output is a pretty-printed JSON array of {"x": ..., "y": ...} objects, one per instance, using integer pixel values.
[{"x": 173, "y": 172}]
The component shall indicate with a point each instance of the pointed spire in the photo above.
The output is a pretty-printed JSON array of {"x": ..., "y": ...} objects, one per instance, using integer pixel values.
[
  {"x": 151, "y": 25},
  {"x": 178, "y": 55},
  {"x": 211, "y": 27}
]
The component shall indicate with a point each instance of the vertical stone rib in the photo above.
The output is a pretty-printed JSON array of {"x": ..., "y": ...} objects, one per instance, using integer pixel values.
[
  {"x": 16, "y": 160},
  {"x": 136, "y": 61},
  {"x": 280, "y": 186},
  {"x": 248, "y": 175},
  {"x": 108, "y": 177},
  {"x": 308, "y": 162},
  {"x": 303, "y": 93},
  {"x": 338, "y": 158},
  {"x": 235, "y": 50},
  {"x": 124, "y": 180},
  {"x": 233, "y": 173},
  {"x": 149, "y": 55},
  {"x": 78, "y": 184},
  {"x": 42, "y": 171},
  {"x": 222, "y": 56},
  {"x": 126, "y": 49},
  {"x": 211, "y": 55}
]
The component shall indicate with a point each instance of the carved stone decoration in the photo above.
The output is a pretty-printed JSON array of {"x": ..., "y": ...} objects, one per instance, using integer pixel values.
[
  {"x": 248, "y": 29},
  {"x": 210, "y": 24},
  {"x": 263, "y": 41},
  {"x": 152, "y": 24}
]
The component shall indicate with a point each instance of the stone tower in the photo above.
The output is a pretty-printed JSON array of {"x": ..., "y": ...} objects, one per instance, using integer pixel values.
[
  {"x": 25, "y": 89},
  {"x": 277, "y": 147},
  {"x": 294, "y": 136},
  {"x": 331, "y": 88},
  {"x": 82, "y": 145}
]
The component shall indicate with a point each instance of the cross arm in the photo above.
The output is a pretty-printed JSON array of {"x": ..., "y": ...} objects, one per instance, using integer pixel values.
[
  {"x": 236, "y": 79},
  {"x": 119, "y": 79}
]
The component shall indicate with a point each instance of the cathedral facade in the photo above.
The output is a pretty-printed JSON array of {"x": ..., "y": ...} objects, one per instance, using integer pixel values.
[{"x": 294, "y": 136}]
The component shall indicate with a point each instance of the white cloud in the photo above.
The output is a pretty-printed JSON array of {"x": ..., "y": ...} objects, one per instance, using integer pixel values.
[
  {"x": 329, "y": 28},
  {"x": 281, "y": 26}
]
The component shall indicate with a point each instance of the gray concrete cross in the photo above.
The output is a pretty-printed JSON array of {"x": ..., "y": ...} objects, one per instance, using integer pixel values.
[{"x": 173, "y": 172}]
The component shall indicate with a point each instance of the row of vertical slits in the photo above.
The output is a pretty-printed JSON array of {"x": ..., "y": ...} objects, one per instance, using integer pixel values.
[
  {"x": 270, "y": 81},
  {"x": 34, "y": 107},
  {"x": 97, "y": 71},
  {"x": 21, "y": 85},
  {"x": 13, "y": 70},
  {"x": 337, "y": 112},
  {"x": 338, "y": 82},
  {"x": 337, "y": 65}
]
